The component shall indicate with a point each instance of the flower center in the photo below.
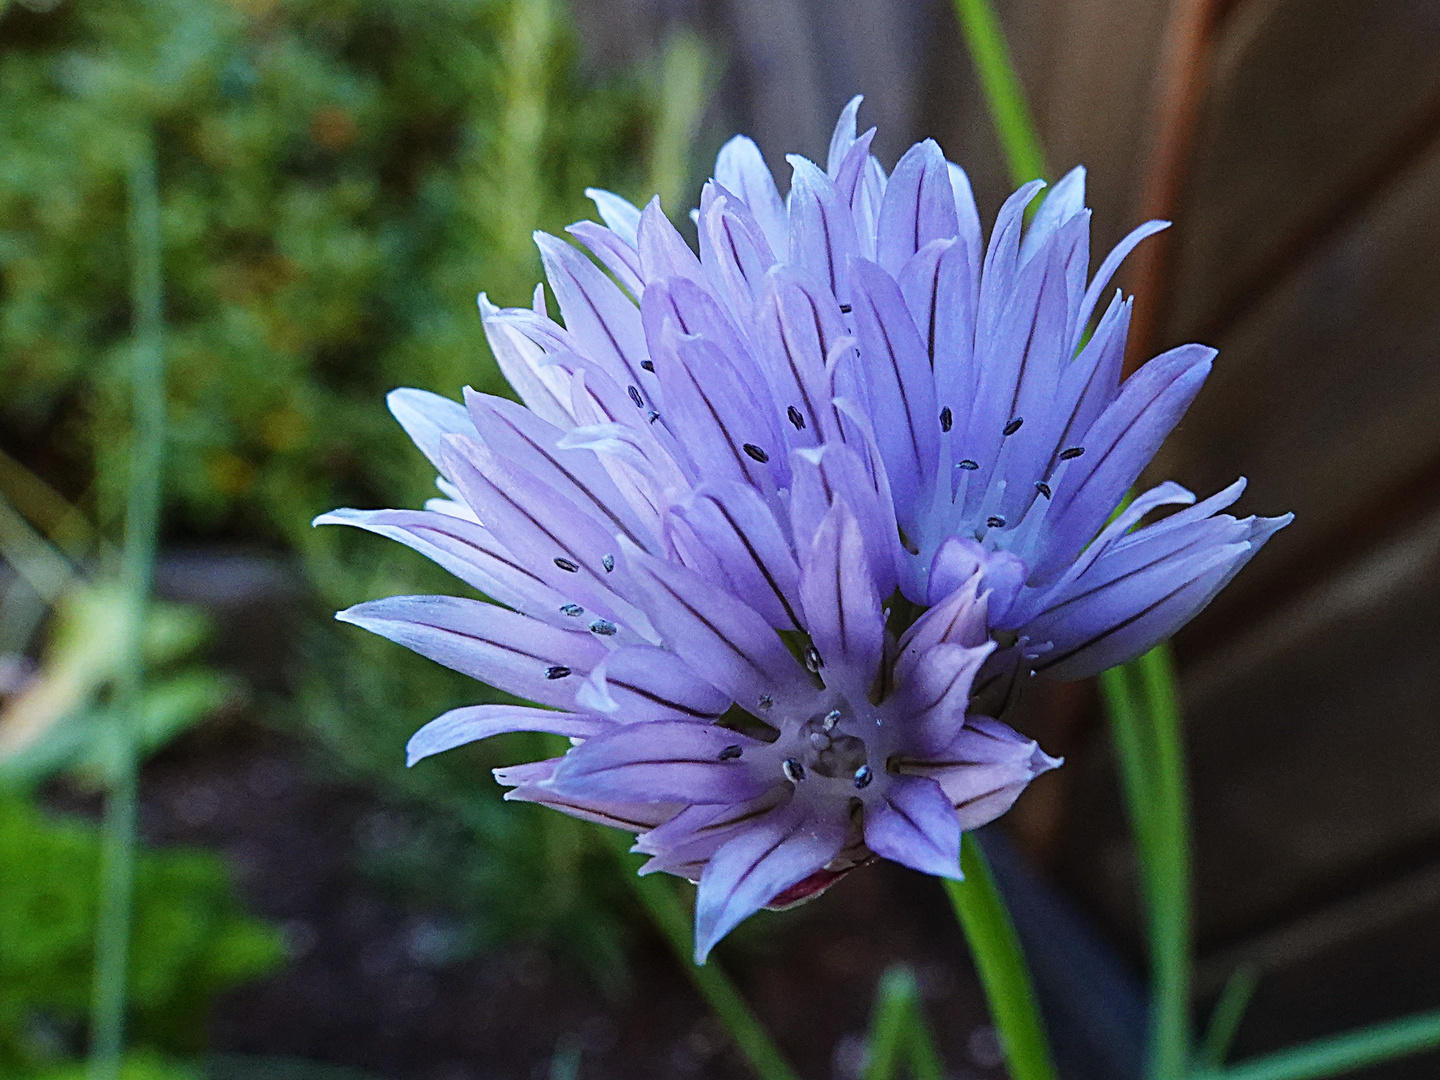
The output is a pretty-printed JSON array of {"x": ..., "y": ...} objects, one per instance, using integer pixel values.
[{"x": 826, "y": 749}]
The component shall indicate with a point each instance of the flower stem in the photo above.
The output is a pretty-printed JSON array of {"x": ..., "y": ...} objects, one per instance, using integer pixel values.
[
  {"x": 1144, "y": 712},
  {"x": 1339, "y": 1054},
  {"x": 657, "y": 895},
  {"x": 137, "y": 568},
  {"x": 1000, "y": 964},
  {"x": 985, "y": 40}
]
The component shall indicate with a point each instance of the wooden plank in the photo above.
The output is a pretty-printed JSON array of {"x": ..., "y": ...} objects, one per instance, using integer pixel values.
[
  {"x": 1325, "y": 394},
  {"x": 1305, "y": 98}
]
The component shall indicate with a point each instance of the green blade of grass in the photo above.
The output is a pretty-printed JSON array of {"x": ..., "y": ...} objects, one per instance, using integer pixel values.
[
  {"x": 898, "y": 1032},
  {"x": 137, "y": 570},
  {"x": 1226, "y": 1017},
  {"x": 1339, "y": 1054},
  {"x": 985, "y": 40},
  {"x": 1000, "y": 964}
]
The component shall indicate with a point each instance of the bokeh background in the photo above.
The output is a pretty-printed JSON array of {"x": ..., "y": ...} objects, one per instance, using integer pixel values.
[{"x": 338, "y": 179}]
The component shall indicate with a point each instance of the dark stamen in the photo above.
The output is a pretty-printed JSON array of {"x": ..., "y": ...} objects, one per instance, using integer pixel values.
[
  {"x": 566, "y": 565},
  {"x": 863, "y": 776},
  {"x": 756, "y": 453},
  {"x": 647, "y": 365},
  {"x": 608, "y": 562},
  {"x": 1043, "y": 488},
  {"x": 653, "y": 416},
  {"x": 766, "y": 703},
  {"x": 573, "y": 610},
  {"x": 794, "y": 771},
  {"x": 1014, "y": 425},
  {"x": 559, "y": 671},
  {"x": 795, "y": 418},
  {"x": 947, "y": 418},
  {"x": 996, "y": 522},
  {"x": 845, "y": 309},
  {"x": 730, "y": 753},
  {"x": 636, "y": 398},
  {"x": 1073, "y": 452},
  {"x": 813, "y": 660},
  {"x": 603, "y": 627},
  {"x": 968, "y": 465}
]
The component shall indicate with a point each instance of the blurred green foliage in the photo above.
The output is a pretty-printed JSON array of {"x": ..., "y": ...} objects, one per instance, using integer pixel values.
[
  {"x": 338, "y": 179},
  {"x": 191, "y": 940}
]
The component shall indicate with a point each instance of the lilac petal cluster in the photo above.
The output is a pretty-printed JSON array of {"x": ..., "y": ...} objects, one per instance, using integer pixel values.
[
  {"x": 725, "y": 463},
  {"x": 761, "y": 769}
]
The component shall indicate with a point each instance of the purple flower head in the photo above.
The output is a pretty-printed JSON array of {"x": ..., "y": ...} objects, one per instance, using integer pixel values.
[
  {"x": 722, "y": 467},
  {"x": 868, "y": 312},
  {"x": 762, "y": 739}
]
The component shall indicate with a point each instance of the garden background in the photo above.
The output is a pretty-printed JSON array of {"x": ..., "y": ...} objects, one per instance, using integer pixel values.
[{"x": 337, "y": 179}]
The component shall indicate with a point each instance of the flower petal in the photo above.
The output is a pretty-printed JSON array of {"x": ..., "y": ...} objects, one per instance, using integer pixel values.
[
  {"x": 741, "y": 169},
  {"x": 915, "y": 825},
  {"x": 474, "y": 722},
  {"x": 984, "y": 770},
  {"x": 785, "y": 847},
  {"x": 842, "y": 609},
  {"x": 919, "y": 206}
]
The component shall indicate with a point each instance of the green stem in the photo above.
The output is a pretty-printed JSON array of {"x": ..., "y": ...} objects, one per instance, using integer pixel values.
[
  {"x": 657, "y": 895},
  {"x": 1000, "y": 963},
  {"x": 1340, "y": 1054},
  {"x": 1227, "y": 1014},
  {"x": 985, "y": 40},
  {"x": 1145, "y": 722},
  {"x": 898, "y": 1031},
  {"x": 142, "y": 521}
]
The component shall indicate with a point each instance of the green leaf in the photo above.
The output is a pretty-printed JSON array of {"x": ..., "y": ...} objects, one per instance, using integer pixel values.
[
  {"x": 1340, "y": 1054},
  {"x": 898, "y": 1032},
  {"x": 990, "y": 54},
  {"x": 1000, "y": 963}
]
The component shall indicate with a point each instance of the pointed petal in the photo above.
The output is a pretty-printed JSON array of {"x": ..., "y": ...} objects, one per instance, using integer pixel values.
[
  {"x": 740, "y": 168},
  {"x": 752, "y": 552},
  {"x": 467, "y": 550},
  {"x": 723, "y": 639},
  {"x": 915, "y": 825},
  {"x": 474, "y": 722},
  {"x": 618, "y": 257},
  {"x": 1062, "y": 202},
  {"x": 902, "y": 389},
  {"x": 797, "y": 323},
  {"x": 526, "y": 367},
  {"x": 604, "y": 323},
  {"x": 427, "y": 418},
  {"x": 822, "y": 229},
  {"x": 984, "y": 770},
  {"x": 663, "y": 761},
  {"x": 621, "y": 216},
  {"x": 783, "y": 848},
  {"x": 842, "y": 609},
  {"x": 1120, "y": 444},
  {"x": 663, "y": 251},
  {"x": 843, "y": 135},
  {"x": 510, "y": 651},
  {"x": 918, "y": 207},
  {"x": 1111, "y": 264}
]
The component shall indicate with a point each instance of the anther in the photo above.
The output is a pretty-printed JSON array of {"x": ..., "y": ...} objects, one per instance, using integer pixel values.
[
  {"x": 756, "y": 453},
  {"x": 559, "y": 671},
  {"x": 608, "y": 562},
  {"x": 794, "y": 771},
  {"x": 947, "y": 418},
  {"x": 831, "y": 719},
  {"x": 845, "y": 309},
  {"x": 995, "y": 522},
  {"x": 796, "y": 418},
  {"x": 1014, "y": 425},
  {"x": 730, "y": 753},
  {"x": 636, "y": 398},
  {"x": 1043, "y": 488},
  {"x": 863, "y": 776},
  {"x": 566, "y": 565},
  {"x": 648, "y": 365},
  {"x": 603, "y": 627},
  {"x": 813, "y": 660},
  {"x": 1072, "y": 453},
  {"x": 652, "y": 416},
  {"x": 573, "y": 610},
  {"x": 968, "y": 465},
  {"x": 766, "y": 703}
]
